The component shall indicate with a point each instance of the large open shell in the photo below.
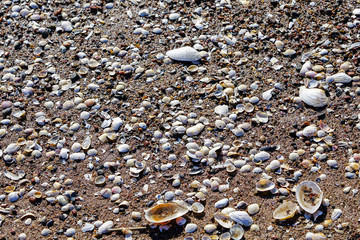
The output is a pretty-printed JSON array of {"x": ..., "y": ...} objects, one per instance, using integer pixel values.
[
  {"x": 309, "y": 196},
  {"x": 223, "y": 219},
  {"x": 164, "y": 212},
  {"x": 285, "y": 211}
]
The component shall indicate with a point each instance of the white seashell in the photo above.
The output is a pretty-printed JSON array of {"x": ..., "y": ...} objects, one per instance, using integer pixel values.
[
  {"x": 190, "y": 228},
  {"x": 253, "y": 209},
  {"x": 11, "y": 148},
  {"x": 222, "y": 110},
  {"x": 340, "y": 77},
  {"x": 262, "y": 117},
  {"x": 336, "y": 214},
  {"x": 261, "y": 156},
  {"x": 314, "y": 97},
  {"x": 273, "y": 166},
  {"x": 305, "y": 68},
  {"x": 267, "y": 94},
  {"x": 239, "y": 132},
  {"x": 237, "y": 232},
  {"x": 309, "y": 196},
  {"x": 285, "y": 211},
  {"x": 223, "y": 219},
  {"x": 241, "y": 217},
  {"x": 315, "y": 236},
  {"x": 265, "y": 185},
  {"x": 105, "y": 227},
  {"x": 332, "y": 163},
  {"x": 197, "y": 207},
  {"x": 310, "y": 131},
  {"x": 77, "y": 156},
  {"x": 222, "y": 203},
  {"x": 210, "y": 228},
  {"x": 186, "y": 54},
  {"x": 194, "y": 130},
  {"x": 123, "y": 148},
  {"x": 13, "y": 196},
  {"x": 164, "y": 212}
]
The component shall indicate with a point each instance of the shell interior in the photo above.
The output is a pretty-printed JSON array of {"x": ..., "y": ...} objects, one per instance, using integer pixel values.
[
  {"x": 309, "y": 196},
  {"x": 223, "y": 219},
  {"x": 264, "y": 185},
  {"x": 285, "y": 211},
  {"x": 165, "y": 212}
]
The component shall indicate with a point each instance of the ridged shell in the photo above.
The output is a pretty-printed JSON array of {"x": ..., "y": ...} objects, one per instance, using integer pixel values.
[
  {"x": 165, "y": 212},
  {"x": 237, "y": 232},
  {"x": 223, "y": 219},
  {"x": 309, "y": 196},
  {"x": 186, "y": 54},
  {"x": 314, "y": 97},
  {"x": 285, "y": 211}
]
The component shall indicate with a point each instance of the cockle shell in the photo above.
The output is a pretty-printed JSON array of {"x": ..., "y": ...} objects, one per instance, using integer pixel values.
[
  {"x": 237, "y": 232},
  {"x": 309, "y": 196},
  {"x": 164, "y": 212},
  {"x": 185, "y": 54},
  {"x": 223, "y": 219},
  {"x": 285, "y": 211},
  {"x": 314, "y": 97}
]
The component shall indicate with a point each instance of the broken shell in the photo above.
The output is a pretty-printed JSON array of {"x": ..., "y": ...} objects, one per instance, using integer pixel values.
[
  {"x": 165, "y": 212},
  {"x": 309, "y": 196},
  {"x": 336, "y": 214},
  {"x": 37, "y": 194},
  {"x": 314, "y": 97},
  {"x": 315, "y": 236},
  {"x": 197, "y": 207},
  {"x": 264, "y": 185},
  {"x": 237, "y": 232},
  {"x": 223, "y": 219},
  {"x": 285, "y": 211},
  {"x": 340, "y": 77}
]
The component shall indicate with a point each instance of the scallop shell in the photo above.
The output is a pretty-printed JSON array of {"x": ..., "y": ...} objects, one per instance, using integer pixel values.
[
  {"x": 285, "y": 211},
  {"x": 237, "y": 232},
  {"x": 314, "y": 97},
  {"x": 164, "y": 212},
  {"x": 264, "y": 185},
  {"x": 223, "y": 219},
  {"x": 309, "y": 196}
]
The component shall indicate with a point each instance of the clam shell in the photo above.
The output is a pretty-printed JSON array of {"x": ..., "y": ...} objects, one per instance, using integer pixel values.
[
  {"x": 185, "y": 54},
  {"x": 285, "y": 211},
  {"x": 309, "y": 196},
  {"x": 340, "y": 77},
  {"x": 314, "y": 97},
  {"x": 197, "y": 207},
  {"x": 262, "y": 117},
  {"x": 164, "y": 212},
  {"x": 310, "y": 131},
  {"x": 223, "y": 219},
  {"x": 242, "y": 218},
  {"x": 265, "y": 185},
  {"x": 237, "y": 232}
]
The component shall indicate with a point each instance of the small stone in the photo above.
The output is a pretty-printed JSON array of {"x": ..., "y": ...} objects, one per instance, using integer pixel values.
[
  {"x": 105, "y": 227},
  {"x": 66, "y": 26},
  {"x": 186, "y": 54},
  {"x": 45, "y": 232},
  {"x": 13, "y": 196},
  {"x": 70, "y": 232},
  {"x": 88, "y": 227},
  {"x": 123, "y": 148},
  {"x": 222, "y": 203},
  {"x": 190, "y": 228},
  {"x": 136, "y": 216},
  {"x": 252, "y": 209},
  {"x": 210, "y": 228},
  {"x": 289, "y": 52}
]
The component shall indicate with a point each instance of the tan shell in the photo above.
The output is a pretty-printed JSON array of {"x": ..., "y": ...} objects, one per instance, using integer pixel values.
[
  {"x": 285, "y": 211},
  {"x": 309, "y": 196},
  {"x": 164, "y": 212},
  {"x": 223, "y": 219},
  {"x": 237, "y": 232},
  {"x": 265, "y": 185}
]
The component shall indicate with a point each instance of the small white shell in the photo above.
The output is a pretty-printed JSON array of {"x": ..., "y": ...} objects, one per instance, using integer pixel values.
[
  {"x": 315, "y": 236},
  {"x": 262, "y": 117},
  {"x": 273, "y": 166},
  {"x": 314, "y": 97},
  {"x": 241, "y": 217},
  {"x": 309, "y": 196},
  {"x": 261, "y": 156},
  {"x": 265, "y": 185},
  {"x": 310, "y": 131},
  {"x": 197, "y": 207},
  {"x": 336, "y": 214},
  {"x": 340, "y": 77},
  {"x": 186, "y": 54}
]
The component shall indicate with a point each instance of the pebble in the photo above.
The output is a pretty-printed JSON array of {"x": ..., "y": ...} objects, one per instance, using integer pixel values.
[
  {"x": 222, "y": 203},
  {"x": 190, "y": 228},
  {"x": 66, "y": 26},
  {"x": 88, "y": 227},
  {"x": 70, "y": 232},
  {"x": 253, "y": 209}
]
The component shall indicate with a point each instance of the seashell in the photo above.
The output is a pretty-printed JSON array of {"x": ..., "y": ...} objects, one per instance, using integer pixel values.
[
  {"x": 310, "y": 131},
  {"x": 222, "y": 203},
  {"x": 164, "y": 212},
  {"x": 194, "y": 130},
  {"x": 314, "y": 236},
  {"x": 285, "y": 211},
  {"x": 237, "y": 232},
  {"x": 305, "y": 68},
  {"x": 123, "y": 148},
  {"x": 100, "y": 181},
  {"x": 309, "y": 196},
  {"x": 265, "y": 185},
  {"x": 222, "y": 110},
  {"x": 223, "y": 219},
  {"x": 210, "y": 228},
  {"x": 193, "y": 68},
  {"x": 273, "y": 166},
  {"x": 231, "y": 169},
  {"x": 13, "y": 176},
  {"x": 225, "y": 236},
  {"x": 197, "y": 207},
  {"x": 86, "y": 143},
  {"x": 262, "y": 117},
  {"x": 340, "y": 77},
  {"x": 313, "y": 97},
  {"x": 28, "y": 215},
  {"x": 261, "y": 156},
  {"x": 185, "y": 54},
  {"x": 336, "y": 214},
  {"x": 249, "y": 108},
  {"x": 241, "y": 217},
  {"x": 190, "y": 228}
]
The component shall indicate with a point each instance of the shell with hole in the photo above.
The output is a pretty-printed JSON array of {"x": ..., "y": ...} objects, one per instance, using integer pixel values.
[
  {"x": 286, "y": 210},
  {"x": 309, "y": 196},
  {"x": 165, "y": 212}
]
